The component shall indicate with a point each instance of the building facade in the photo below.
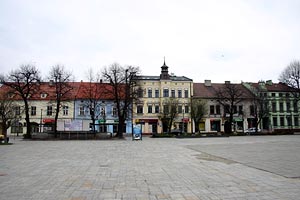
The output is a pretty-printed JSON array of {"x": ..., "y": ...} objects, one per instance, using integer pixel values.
[
  {"x": 282, "y": 106},
  {"x": 154, "y": 98},
  {"x": 217, "y": 115},
  {"x": 92, "y": 99}
]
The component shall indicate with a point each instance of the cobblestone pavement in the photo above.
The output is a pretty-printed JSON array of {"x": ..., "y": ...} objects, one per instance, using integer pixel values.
[{"x": 265, "y": 167}]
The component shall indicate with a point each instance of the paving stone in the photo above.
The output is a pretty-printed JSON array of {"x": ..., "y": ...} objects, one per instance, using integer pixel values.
[{"x": 154, "y": 168}]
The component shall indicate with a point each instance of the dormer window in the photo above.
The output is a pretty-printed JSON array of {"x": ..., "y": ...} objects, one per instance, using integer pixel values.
[
  {"x": 11, "y": 95},
  {"x": 43, "y": 95}
]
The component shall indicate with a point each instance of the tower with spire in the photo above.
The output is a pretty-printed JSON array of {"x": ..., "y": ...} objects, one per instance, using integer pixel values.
[{"x": 164, "y": 71}]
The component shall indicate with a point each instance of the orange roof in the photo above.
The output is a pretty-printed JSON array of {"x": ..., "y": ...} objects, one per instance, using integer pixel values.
[
  {"x": 80, "y": 90},
  {"x": 94, "y": 90}
]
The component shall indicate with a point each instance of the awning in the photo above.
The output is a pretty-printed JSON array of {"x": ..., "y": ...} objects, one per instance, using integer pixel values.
[
  {"x": 49, "y": 120},
  {"x": 146, "y": 120},
  {"x": 238, "y": 119},
  {"x": 185, "y": 120}
]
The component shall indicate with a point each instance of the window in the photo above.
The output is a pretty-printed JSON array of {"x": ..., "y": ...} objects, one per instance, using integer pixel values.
[
  {"x": 273, "y": 106},
  {"x": 65, "y": 110},
  {"x": 49, "y": 110},
  {"x": 173, "y": 93},
  {"x": 17, "y": 110},
  {"x": 288, "y": 106},
  {"x": 240, "y": 110},
  {"x": 280, "y": 95},
  {"x": 218, "y": 109},
  {"x": 149, "y": 108},
  {"x": 186, "y": 109},
  {"x": 166, "y": 92},
  {"x": 102, "y": 111},
  {"x": 114, "y": 112},
  {"x": 173, "y": 109},
  {"x": 212, "y": 110},
  {"x": 226, "y": 109},
  {"x": 234, "y": 108},
  {"x": 139, "y": 109},
  {"x": 156, "y": 93},
  {"x": 295, "y": 106},
  {"x": 156, "y": 109},
  {"x": 81, "y": 110},
  {"x": 179, "y": 109},
  {"x": 281, "y": 107},
  {"x": 281, "y": 121},
  {"x": 289, "y": 120},
  {"x": 43, "y": 95},
  {"x": 179, "y": 93},
  {"x": 252, "y": 110},
  {"x": 186, "y": 93},
  {"x": 275, "y": 123},
  {"x": 296, "y": 121},
  {"x": 273, "y": 94},
  {"x": 166, "y": 109},
  {"x": 33, "y": 110},
  {"x": 140, "y": 93},
  {"x": 149, "y": 93}
]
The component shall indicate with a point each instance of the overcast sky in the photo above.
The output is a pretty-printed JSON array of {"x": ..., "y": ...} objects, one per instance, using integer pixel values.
[{"x": 220, "y": 40}]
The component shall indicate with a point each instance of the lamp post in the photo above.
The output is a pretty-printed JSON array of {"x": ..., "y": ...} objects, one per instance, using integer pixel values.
[
  {"x": 191, "y": 114},
  {"x": 41, "y": 121},
  {"x": 182, "y": 121}
]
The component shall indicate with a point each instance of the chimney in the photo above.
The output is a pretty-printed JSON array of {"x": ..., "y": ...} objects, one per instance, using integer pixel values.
[
  {"x": 227, "y": 82},
  {"x": 51, "y": 82},
  {"x": 207, "y": 83},
  {"x": 101, "y": 81},
  {"x": 269, "y": 82}
]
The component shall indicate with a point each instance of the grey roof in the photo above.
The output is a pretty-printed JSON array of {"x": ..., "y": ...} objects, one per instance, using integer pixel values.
[{"x": 157, "y": 78}]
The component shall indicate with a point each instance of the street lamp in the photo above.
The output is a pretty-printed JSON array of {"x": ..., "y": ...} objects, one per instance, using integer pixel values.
[
  {"x": 41, "y": 121},
  {"x": 191, "y": 114},
  {"x": 182, "y": 121}
]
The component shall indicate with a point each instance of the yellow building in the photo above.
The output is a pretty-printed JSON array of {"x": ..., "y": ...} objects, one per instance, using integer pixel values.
[{"x": 157, "y": 94}]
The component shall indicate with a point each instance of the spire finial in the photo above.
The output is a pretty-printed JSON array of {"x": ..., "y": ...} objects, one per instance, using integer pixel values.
[{"x": 164, "y": 60}]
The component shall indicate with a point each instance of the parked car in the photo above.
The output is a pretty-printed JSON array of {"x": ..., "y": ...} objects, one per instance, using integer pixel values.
[
  {"x": 176, "y": 132},
  {"x": 252, "y": 130}
]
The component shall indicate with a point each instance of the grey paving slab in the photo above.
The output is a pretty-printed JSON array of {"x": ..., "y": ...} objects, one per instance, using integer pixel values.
[
  {"x": 276, "y": 154},
  {"x": 165, "y": 168}
]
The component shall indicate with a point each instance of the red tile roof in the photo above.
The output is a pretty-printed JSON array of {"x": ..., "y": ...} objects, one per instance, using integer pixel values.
[
  {"x": 94, "y": 90},
  {"x": 80, "y": 90}
]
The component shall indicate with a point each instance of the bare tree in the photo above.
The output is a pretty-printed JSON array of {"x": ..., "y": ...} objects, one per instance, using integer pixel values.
[
  {"x": 24, "y": 81},
  {"x": 92, "y": 92},
  {"x": 61, "y": 81},
  {"x": 122, "y": 81},
  {"x": 291, "y": 77},
  {"x": 198, "y": 110},
  {"x": 7, "y": 110},
  {"x": 169, "y": 113},
  {"x": 229, "y": 95},
  {"x": 260, "y": 103}
]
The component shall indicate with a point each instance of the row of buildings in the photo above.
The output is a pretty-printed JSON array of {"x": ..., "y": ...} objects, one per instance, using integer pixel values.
[{"x": 282, "y": 112}]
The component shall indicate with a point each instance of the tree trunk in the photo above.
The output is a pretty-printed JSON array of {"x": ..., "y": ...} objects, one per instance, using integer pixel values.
[
  {"x": 120, "y": 127},
  {"x": 4, "y": 130},
  {"x": 27, "y": 119}
]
